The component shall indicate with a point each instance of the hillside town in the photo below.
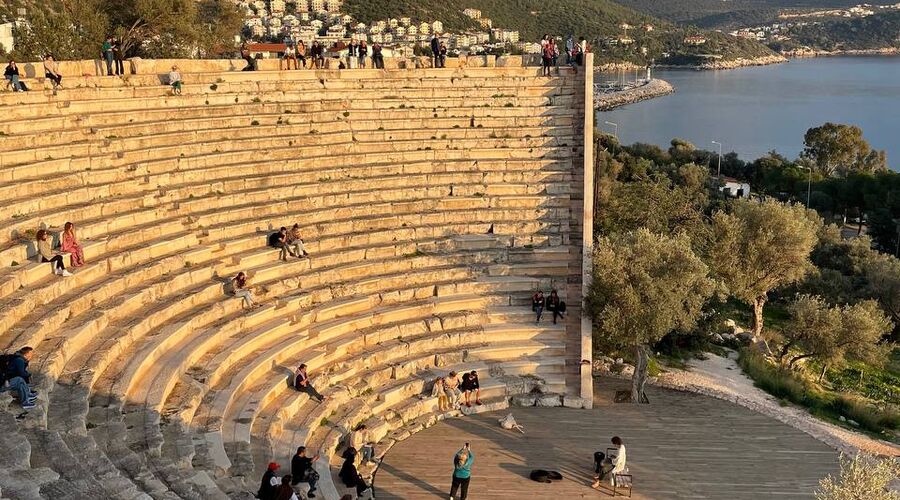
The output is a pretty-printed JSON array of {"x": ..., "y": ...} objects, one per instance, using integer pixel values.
[{"x": 325, "y": 21}]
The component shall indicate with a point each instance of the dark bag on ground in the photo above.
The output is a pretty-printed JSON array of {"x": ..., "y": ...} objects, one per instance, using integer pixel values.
[{"x": 545, "y": 476}]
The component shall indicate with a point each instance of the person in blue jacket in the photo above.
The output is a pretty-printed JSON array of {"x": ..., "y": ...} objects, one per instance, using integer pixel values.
[{"x": 16, "y": 373}]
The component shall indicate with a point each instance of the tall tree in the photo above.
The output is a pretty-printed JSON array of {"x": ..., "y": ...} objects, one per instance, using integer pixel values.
[
  {"x": 759, "y": 247},
  {"x": 837, "y": 149},
  {"x": 644, "y": 286},
  {"x": 67, "y": 29}
]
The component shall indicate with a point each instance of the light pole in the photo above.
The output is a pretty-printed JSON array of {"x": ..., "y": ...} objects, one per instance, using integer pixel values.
[
  {"x": 808, "y": 183},
  {"x": 719, "y": 167},
  {"x": 615, "y": 129}
]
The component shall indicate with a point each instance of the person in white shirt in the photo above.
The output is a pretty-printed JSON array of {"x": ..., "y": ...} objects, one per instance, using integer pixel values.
[
  {"x": 175, "y": 80},
  {"x": 359, "y": 440},
  {"x": 612, "y": 465}
]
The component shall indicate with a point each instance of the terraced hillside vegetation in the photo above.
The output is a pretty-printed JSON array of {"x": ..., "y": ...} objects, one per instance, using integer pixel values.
[{"x": 433, "y": 203}]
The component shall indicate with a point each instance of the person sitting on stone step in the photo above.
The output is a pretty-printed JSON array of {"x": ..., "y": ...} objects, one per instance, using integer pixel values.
[
  {"x": 302, "y": 471},
  {"x": 451, "y": 389},
  {"x": 46, "y": 253},
  {"x": 470, "y": 386},
  {"x": 303, "y": 384},
  {"x": 16, "y": 374},
  {"x": 269, "y": 484},
  {"x": 555, "y": 306},
  {"x": 285, "y": 491},
  {"x": 12, "y": 76},
  {"x": 175, "y": 80},
  {"x": 349, "y": 475},
  {"x": 279, "y": 240},
  {"x": 295, "y": 242},
  {"x": 51, "y": 72},
  {"x": 537, "y": 305},
  {"x": 437, "y": 391},
  {"x": 69, "y": 244},
  {"x": 239, "y": 289}
]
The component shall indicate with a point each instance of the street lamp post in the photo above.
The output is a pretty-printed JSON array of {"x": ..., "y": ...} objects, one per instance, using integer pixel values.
[
  {"x": 719, "y": 167},
  {"x": 615, "y": 129},
  {"x": 808, "y": 183}
]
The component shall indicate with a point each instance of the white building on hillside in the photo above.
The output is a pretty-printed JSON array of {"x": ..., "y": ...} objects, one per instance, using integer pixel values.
[{"x": 735, "y": 188}]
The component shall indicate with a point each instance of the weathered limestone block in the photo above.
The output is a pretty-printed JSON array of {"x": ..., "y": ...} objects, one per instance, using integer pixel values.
[{"x": 548, "y": 400}]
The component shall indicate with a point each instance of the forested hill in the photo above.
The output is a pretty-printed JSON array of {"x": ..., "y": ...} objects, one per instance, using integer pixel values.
[
  {"x": 878, "y": 31},
  {"x": 593, "y": 19}
]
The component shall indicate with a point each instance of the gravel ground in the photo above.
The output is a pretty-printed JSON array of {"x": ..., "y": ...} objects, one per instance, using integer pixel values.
[{"x": 722, "y": 378}]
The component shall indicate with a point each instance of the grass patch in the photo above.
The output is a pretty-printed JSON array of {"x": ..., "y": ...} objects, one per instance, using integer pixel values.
[{"x": 793, "y": 387}]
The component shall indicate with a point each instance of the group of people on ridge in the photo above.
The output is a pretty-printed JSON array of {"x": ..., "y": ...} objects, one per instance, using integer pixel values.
[{"x": 550, "y": 52}]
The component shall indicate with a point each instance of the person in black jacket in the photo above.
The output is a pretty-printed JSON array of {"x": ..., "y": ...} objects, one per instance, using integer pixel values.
[
  {"x": 269, "y": 484},
  {"x": 302, "y": 471},
  {"x": 435, "y": 51},
  {"x": 555, "y": 306},
  {"x": 18, "y": 376},
  {"x": 350, "y": 475},
  {"x": 537, "y": 305},
  {"x": 12, "y": 75}
]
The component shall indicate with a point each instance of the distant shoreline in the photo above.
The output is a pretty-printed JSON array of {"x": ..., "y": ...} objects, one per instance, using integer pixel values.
[{"x": 804, "y": 54}]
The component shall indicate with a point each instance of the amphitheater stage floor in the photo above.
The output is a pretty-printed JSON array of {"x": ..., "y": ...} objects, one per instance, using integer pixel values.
[{"x": 680, "y": 446}]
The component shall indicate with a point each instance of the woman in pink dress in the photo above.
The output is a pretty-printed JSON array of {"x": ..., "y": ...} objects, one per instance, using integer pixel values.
[{"x": 70, "y": 245}]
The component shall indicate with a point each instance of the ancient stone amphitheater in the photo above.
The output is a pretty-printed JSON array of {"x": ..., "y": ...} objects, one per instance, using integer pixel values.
[{"x": 433, "y": 203}]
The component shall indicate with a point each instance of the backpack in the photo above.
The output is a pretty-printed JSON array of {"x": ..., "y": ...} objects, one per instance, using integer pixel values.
[{"x": 4, "y": 366}]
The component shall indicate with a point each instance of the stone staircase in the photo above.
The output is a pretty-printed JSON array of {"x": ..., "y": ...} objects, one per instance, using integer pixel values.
[{"x": 433, "y": 204}]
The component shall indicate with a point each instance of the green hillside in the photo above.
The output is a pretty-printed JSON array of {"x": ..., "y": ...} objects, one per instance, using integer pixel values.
[
  {"x": 593, "y": 19},
  {"x": 873, "y": 32}
]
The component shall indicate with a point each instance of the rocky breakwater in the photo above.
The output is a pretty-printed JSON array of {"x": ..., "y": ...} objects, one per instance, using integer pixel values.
[
  {"x": 742, "y": 62},
  {"x": 606, "y": 100}
]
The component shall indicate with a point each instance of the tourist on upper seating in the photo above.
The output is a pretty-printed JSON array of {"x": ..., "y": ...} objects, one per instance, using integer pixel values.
[
  {"x": 175, "y": 80},
  {"x": 285, "y": 491},
  {"x": 303, "y": 472},
  {"x": 269, "y": 484},
  {"x": 290, "y": 55},
  {"x": 51, "y": 71},
  {"x": 69, "y": 244},
  {"x": 442, "y": 51},
  {"x": 462, "y": 472},
  {"x": 470, "y": 386},
  {"x": 546, "y": 57},
  {"x": 555, "y": 52},
  {"x": 17, "y": 375},
  {"x": 583, "y": 49},
  {"x": 46, "y": 254},
  {"x": 119, "y": 56},
  {"x": 247, "y": 56},
  {"x": 295, "y": 242},
  {"x": 301, "y": 54},
  {"x": 107, "y": 55},
  {"x": 349, "y": 475},
  {"x": 610, "y": 465},
  {"x": 359, "y": 440},
  {"x": 377, "y": 57},
  {"x": 361, "y": 53},
  {"x": 12, "y": 75},
  {"x": 239, "y": 289},
  {"x": 435, "y": 51},
  {"x": 351, "y": 52},
  {"x": 554, "y": 305},
  {"x": 317, "y": 52},
  {"x": 537, "y": 305},
  {"x": 303, "y": 384},
  {"x": 451, "y": 389}
]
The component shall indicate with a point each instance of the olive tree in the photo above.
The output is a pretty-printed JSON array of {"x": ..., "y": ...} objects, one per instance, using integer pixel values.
[
  {"x": 760, "y": 246},
  {"x": 644, "y": 286},
  {"x": 862, "y": 477},
  {"x": 832, "y": 333}
]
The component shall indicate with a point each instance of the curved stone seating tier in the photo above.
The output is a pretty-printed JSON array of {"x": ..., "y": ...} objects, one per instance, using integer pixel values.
[{"x": 432, "y": 202}]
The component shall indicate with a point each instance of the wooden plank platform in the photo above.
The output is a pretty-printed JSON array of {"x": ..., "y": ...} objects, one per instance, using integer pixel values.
[{"x": 680, "y": 446}]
